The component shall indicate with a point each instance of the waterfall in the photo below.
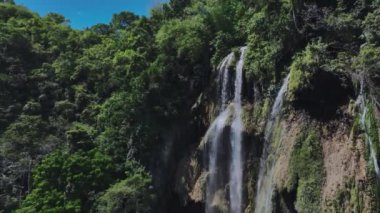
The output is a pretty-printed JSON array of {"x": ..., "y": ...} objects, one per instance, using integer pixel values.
[
  {"x": 364, "y": 109},
  {"x": 215, "y": 131},
  {"x": 264, "y": 183},
  {"x": 236, "y": 168},
  {"x": 369, "y": 141},
  {"x": 214, "y": 136},
  {"x": 276, "y": 108},
  {"x": 223, "y": 78}
]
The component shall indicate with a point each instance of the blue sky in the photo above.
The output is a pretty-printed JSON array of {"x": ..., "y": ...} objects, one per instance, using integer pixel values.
[{"x": 85, "y": 13}]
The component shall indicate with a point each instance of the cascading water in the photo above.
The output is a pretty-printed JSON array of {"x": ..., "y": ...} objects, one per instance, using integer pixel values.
[
  {"x": 363, "y": 108},
  {"x": 264, "y": 183},
  {"x": 369, "y": 141},
  {"x": 223, "y": 77},
  {"x": 215, "y": 133},
  {"x": 236, "y": 168},
  {"x": 276, "y": 108}
]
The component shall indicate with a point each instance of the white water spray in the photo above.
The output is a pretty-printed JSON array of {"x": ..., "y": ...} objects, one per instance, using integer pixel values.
[{"x": 264, "y": 183}]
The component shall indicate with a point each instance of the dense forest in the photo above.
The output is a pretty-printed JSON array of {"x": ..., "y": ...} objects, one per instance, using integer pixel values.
[{"x": 113, "y": 118}]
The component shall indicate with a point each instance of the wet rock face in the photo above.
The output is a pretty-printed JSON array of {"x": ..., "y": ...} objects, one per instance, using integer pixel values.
[{"x": 325, "y": 94}]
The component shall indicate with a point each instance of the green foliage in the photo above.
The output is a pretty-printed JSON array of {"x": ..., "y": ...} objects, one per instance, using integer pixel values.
[
  {"x": 127, "y": 129},
  {"x": 269, "y": 32},
  {"x": 93, "y": 99},
  {"x": 56, "y": 18},
  {"x": 371, "y": 129},
  {"x": 222, "y": 42},
  {"x": 32, "y": 108},
  {"x": 367, "y": 59},
  {"x": 223, "y": 16},
  {"x": 123, "y": 20},
  {"x": 307, "y": 171},
  {"x": 8, "y": 11},
  {"x": 133, "y": 194},
  {"x": 348, "y": 198},
  {"x": 304, "y": 66},
  {"x": 64, "y": 182},
  {"x": 118, "y": 107},
  {"x": 24, "y": 142},
  {"x": 25, "y": 137},
  {"x": 186, "y": 38},
  {"x": 224, "y": 22},
  {"x": 80, "y": 136},
  {"x": 263, "y": 55},
  {"x": 372, "y": 27},
  {"x": 65, "y": 108},
  {"x": 49, "y": 201}
]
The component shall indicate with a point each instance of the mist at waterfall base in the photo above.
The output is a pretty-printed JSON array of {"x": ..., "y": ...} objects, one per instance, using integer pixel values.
[{"x": 215, "y": 136}]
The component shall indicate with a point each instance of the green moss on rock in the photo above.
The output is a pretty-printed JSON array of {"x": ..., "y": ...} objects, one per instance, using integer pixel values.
[
  {"x": 304, "y": 66},
  {"x": 373, "y": 130},
  {"x": 347, "y": 199},
  {"x": 306, "y": 175}
]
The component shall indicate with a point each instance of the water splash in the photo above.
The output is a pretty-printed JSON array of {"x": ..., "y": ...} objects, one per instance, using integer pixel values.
[
  {"x": 265, "y": 184},
  {"x": 236, "y": 168}
]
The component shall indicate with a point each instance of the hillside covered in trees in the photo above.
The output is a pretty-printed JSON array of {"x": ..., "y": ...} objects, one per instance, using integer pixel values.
[{"x": 115, "y": 117}]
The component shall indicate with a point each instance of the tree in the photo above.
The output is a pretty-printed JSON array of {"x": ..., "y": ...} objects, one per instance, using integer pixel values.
[
  {"x": 64, "y": 182},
  {"x": 133, "y": 194},
  {"x": 123, "y": 20},
  {"x": 23, "y": 143},
  {"x": 187, "y": 38},
  {"x": 56, "y": 18}
]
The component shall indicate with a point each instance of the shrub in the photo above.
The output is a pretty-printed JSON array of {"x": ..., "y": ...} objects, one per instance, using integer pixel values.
[
  {"x": 307, "y": 172},
  {"x": 130, "y": 195},
  {"x": 304, "y": 66},
  {"x": 187, "y": 38}
]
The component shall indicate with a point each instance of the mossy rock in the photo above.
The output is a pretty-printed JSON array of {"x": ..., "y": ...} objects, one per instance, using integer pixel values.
[
  {"x": 306, "y": 171},
  {"x": 348, "y": 199},
  {"x": 315, "y": 88}
]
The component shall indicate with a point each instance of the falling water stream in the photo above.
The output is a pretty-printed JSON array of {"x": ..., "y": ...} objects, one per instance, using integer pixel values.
[
  {"x": 265, "y": 183},
  {"x": 266, "y": 171},
  {"x": 364, "y": 110},
  {"x": 215, "y": 133},
  {"x": 223, "y": 77},
  {"x": 369, "y": 141},
  {"x": 236, "y": 168}
]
